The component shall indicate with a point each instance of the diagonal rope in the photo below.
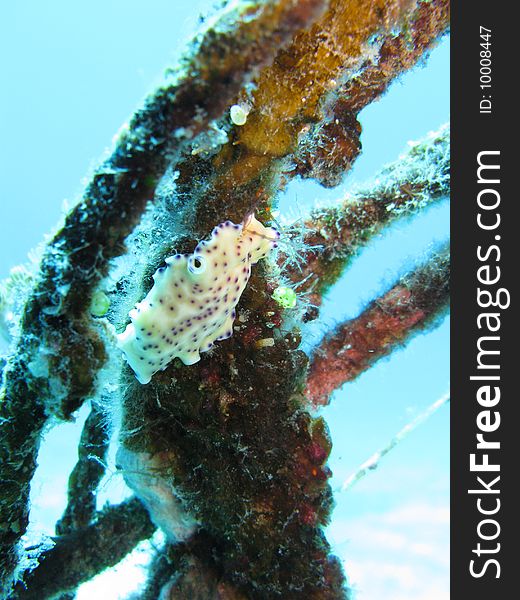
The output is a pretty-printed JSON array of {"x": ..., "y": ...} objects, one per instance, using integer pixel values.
[{"x": 373, "y": 462}]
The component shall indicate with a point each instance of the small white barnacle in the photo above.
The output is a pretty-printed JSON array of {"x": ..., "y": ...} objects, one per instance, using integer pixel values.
[
  {"x": 192, "y": 302},
  {"x": 238, "y": 114}
]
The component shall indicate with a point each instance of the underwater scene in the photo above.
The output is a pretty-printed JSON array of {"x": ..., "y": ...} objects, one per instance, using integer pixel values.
[{"x": 224, "y": 296}]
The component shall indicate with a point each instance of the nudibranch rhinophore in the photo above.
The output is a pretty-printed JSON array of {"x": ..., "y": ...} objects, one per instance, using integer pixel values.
[{"x": 192, "y": 302}]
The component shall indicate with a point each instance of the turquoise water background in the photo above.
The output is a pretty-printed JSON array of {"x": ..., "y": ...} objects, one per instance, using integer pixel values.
[{"x": 73, "y": 73}]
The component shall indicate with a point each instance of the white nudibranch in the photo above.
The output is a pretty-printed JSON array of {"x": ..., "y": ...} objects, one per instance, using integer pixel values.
[{"x": 192, "y": 302}]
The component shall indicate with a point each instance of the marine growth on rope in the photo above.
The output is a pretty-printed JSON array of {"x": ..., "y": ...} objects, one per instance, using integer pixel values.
[{"x": 192, "y": 302}]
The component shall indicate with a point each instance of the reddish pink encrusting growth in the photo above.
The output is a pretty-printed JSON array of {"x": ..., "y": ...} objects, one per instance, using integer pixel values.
[
  {"x": 276, "y": 319},
  {"x": 251, "y": 334},
  {"x": 317, "y": 453},
  {"x": 307, "y": 515},
  {"x": 388, "y": 321},
  {"x": 210, "y": 374}
]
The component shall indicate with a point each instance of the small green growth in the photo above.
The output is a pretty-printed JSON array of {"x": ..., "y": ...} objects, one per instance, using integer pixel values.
[
  {"x": 99, "y": 304},
  {"x": 285, "y": 296}
]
